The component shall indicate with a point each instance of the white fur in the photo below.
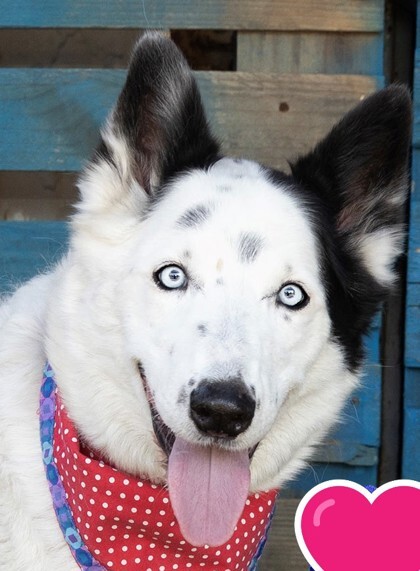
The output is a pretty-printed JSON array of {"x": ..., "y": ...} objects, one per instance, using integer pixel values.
[
  {"x": 100, "y": 311},
  {"x": 379, "y": 249}
]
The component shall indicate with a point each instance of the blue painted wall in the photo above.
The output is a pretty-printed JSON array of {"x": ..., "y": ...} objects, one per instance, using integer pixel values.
[
  {"x": 28, "y": 248},
  {"x": 411, "y": 441}
]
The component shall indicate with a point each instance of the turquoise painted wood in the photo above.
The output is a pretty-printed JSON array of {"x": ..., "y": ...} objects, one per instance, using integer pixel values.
[
  {"x": 411, "y": 441},
  {"x": 416, "y": 131},
  {"x": 412, "y": 343},
  {"x": 355, "y": 15},
  {"x": 50, "y": 118},
  {"x": 29, "y": 248}
]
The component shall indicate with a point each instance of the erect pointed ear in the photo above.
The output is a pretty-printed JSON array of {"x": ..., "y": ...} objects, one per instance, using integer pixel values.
[
  {"x": 158, "y": 126},
  {"x": 360, "y": 172}
]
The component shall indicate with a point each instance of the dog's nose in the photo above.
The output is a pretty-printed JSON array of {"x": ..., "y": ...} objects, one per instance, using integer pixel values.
[{"x": 222, "y": 408}]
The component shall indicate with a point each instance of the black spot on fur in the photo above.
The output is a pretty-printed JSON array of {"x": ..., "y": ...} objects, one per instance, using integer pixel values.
[
  {"x": 191, "y": 382},
  {"x": 220, "y": 281},
  {"x": 182, "y": 398},
  {"x": 250, "y": 245},
  {"x": 224, "y": 187},
  {"x": 195, "y": 216},
  {"x": 202, "y": 328}
]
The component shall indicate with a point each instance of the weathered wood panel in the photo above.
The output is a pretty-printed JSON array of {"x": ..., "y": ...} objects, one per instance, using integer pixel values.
[
  {"x": 37, "y": 195},
  {"x": 412, "y": 345},
  {"x": 411, "y": 456},
  {"x": 334, "y": 15},
  {"x": 50, "y": 118},
  {"x": 310, "y": 52},
  {"x": 411, "y": 435},
  {"x": 282, "y": 552},
  {"x": 274, "y": 118},
  {"x": 416, "y": 133},
  {"x": 412, "y": 392},
  {"x": 68, "y": 48},
  {"x": 27, "y": 248}
]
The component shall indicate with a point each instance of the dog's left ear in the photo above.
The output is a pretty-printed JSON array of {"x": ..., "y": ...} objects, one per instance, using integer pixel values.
[
  {"x": 360, "y": 172},
  {"x": 158, "y": 128}
]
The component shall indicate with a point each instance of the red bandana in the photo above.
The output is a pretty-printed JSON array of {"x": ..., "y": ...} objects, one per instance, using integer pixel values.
[{"x": 128, "y": 524}]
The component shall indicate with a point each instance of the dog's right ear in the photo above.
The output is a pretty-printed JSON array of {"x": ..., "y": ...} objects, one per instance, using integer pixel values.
[
  {"x": 360, "y": 173},
  {"x": 158, "y": 128}
]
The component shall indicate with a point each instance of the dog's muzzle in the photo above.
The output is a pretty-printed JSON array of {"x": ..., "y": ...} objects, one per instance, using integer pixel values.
[{"x": 221, "y": 409}]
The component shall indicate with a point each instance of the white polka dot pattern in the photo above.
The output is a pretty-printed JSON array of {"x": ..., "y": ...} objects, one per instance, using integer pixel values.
[{"x": 129, "y": 524}]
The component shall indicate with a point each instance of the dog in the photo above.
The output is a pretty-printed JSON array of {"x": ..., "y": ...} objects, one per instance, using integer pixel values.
[{"x": 202, "y": 333}]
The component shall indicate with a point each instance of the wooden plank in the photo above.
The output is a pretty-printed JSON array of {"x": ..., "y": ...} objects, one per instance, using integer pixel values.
[
  {"x": 274, "y": 118},
  {"x": 36, "y": 195},
  {"x": 411, "y": 426},
  {"x": 412, "y": 388},
  {"x": 414, "y": 241},
  {"x": 416, "y": 134},
  {"x": 412, "y": 340},
  {"x": 316, "y": 473},
  {"x": 64, "y": 47},
  {"x": 350, "y": 453},
  {"x": 282, "y": 551},
  {"x": 334, "y": 15},
  {"x": 411, "y": 456},
  {"x": 415, "y": 175},
  {"x": 310, "y": 52},
  {"x": 27, "y": 248},
  {"x": 50, "y": 118}
]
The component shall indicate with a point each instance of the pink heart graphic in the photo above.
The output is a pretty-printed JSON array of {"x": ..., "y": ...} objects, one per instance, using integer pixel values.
[{"x": 340, "y": 526}]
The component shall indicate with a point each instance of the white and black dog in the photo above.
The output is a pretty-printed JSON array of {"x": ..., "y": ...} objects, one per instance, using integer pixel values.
[{"x": 209, "y": 313}]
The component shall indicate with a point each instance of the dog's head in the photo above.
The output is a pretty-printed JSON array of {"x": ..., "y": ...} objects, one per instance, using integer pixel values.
[{"x": 229, "y": 296}]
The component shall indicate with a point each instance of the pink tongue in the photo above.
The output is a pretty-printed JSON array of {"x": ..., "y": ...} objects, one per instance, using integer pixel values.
[{"x": 208, "y": 488}]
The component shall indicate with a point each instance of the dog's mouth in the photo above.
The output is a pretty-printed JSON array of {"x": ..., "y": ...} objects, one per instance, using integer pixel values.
[
  {"x": 164, "y": 435},
  {"x": 208, "y": 484}
]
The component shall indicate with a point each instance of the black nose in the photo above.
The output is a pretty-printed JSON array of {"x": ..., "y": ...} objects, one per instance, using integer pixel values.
[{"x": 222, "y": 408}]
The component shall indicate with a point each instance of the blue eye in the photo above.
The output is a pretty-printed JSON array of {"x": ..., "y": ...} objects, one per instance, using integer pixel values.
[
  {"x": 292, "y": 295},
  {"x": 171, "y": 277}
]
